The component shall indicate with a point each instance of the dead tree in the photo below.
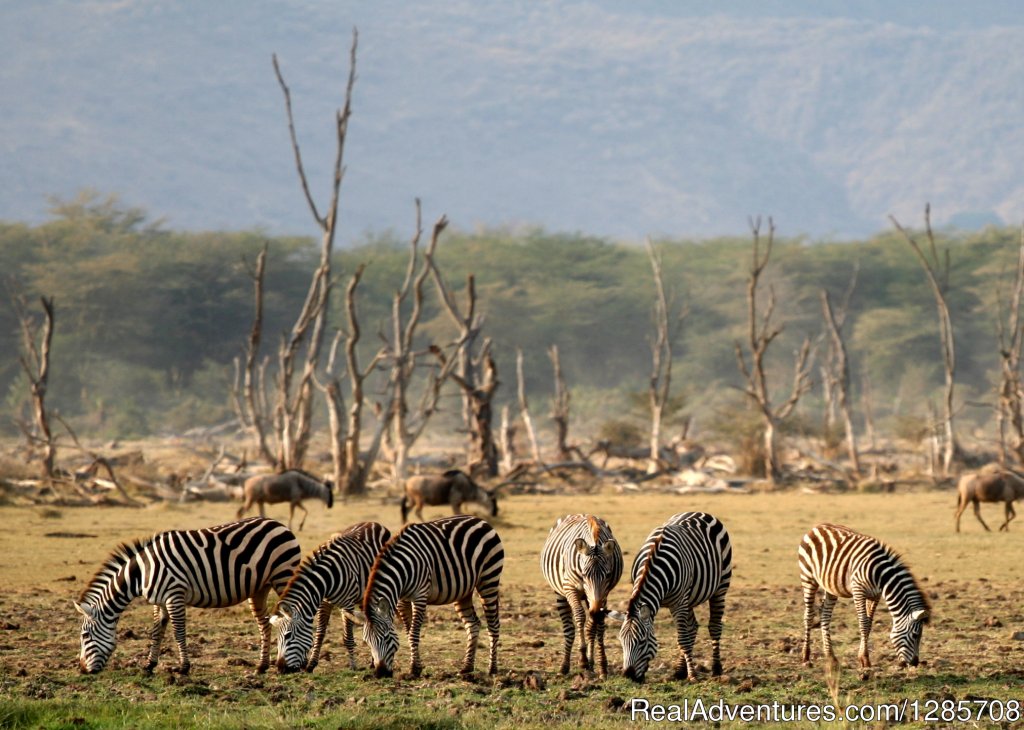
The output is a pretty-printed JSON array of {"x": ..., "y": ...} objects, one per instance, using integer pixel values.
[
  {"x": 659, "y": 387},
  {"x": 937, "y": 273},
  {"x": 476, "y": 375},
  {"x": 761, "y": 333},
  {"x": 838, "y": 371},
  {"x": 293, "y": 407},
  {"x": 560, "y": 407},
  {"x": 1011, "y": 398},
  {"x": 334, "y": 399},
  {"x": 35, "y": 361},
  {"x": 524, "y": 408},
  {"x": 408, "y": 425}
]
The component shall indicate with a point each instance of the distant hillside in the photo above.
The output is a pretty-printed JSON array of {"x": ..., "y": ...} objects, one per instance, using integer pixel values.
[{"x": 575, "y": 116}]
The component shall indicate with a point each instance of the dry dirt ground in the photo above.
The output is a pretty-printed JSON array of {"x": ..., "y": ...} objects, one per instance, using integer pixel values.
[{"x": 974, "y": 579}]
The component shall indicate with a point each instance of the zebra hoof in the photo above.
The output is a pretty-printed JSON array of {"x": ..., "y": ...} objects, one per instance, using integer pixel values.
[
  {"x": 865, "y": 675},
  {"x": 716, "y": 669},
  {"x": 262, "y": 669},
  {"x": 416, "y": 671}
]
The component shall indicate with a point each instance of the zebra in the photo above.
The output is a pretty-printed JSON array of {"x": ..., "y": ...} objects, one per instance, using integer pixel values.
[
  {"x": 682, "y": 564},
  {"x": 582, "y": 562},
  {"x": 433, "y": 563},
  {"x": 454, "y": 487},
  {"x": 335, "y": 574},
  {"x": 847, "y": 564},
  {"x": 290, "y": 486},
  {"x": 208, "y": 568}
]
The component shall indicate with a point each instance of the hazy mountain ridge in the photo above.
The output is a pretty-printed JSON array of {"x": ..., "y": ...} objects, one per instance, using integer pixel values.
[{"x": 570, "y": 115}]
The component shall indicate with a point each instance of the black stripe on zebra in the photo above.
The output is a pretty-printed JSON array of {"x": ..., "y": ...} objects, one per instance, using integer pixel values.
[
  {"x": 582, "y": 562},
  {"x": 334, "y": 575},
  {"x": 208, "y": 568},
  {"x": 682, "y": 564},
  {"x": 433, "y": 563},
  {"x": 844, "y": 563}
]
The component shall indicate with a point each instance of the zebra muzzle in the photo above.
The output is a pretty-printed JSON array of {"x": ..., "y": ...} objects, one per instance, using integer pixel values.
[
  {"x": 382, "y": 672},
  {"x": 284, "y": 668},
  {"x": 630, "y": 673}
]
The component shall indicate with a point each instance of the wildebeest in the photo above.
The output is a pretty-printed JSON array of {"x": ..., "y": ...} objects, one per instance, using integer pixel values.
[
  {"x": 454, "y": 487},
  {"x": 291, "y": 486},
  {"x": 996, "y": 486}
]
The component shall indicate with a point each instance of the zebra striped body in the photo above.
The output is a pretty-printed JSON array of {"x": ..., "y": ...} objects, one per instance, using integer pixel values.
[
  {"x": 682, "y": 564},
  {"x": 582, "y": 562},
  {"x": 433, "y": 563},
  {"x": 334, "y": 575},
  {"x": 209, "y": 568},
  {"x": 847, "y": 564}
]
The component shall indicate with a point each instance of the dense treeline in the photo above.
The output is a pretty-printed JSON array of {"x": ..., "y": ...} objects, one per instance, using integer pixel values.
[{"x": 149, "y": 319}]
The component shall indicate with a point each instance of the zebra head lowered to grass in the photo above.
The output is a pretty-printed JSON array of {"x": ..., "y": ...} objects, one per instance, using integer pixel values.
[
  {"x": 682, "y": 564},
  {"x": 208, "y": 568},
  {"x": 582, "y": 562},
  {"x": 454, "y": 487},
  {"x": 290, "y": 486},
  {"x": 333, "y": 576},
  {"x": 433, "y": 563},
  {"x": 846, "y": 564}
]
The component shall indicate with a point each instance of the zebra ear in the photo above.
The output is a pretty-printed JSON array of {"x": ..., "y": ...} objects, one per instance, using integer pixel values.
[
  {"x": 275, "y": 620},
  {"x": 920, "y": 615},
  {"x": 85, "y": 609},
  {"x": 616, "y": 615},
  {"x": 581, "y": 546},
  {"x": 608, "y": 547},
  {"x": 284, "y": 612},
  {"x": 646, "y": 612},
  {"x": 356, "y": 617},
  {"x": 381, "y": 607}
]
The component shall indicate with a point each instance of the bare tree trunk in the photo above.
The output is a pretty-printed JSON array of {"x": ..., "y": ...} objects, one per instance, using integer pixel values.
[
  {"x": 35, "y": 361},
  {"x": 508, "y": 441},
  {"x": 660, "y": 382},
  {"x": 524, "y": 409},
  {"x": 335, "y": 402},
  {"x": 293, "y": 410},
  {"x": 1011, "y": 399},
  {"x": 250, "y": 408},
  {"x": 760, "y": 334},
  {"x": 934, "y": 269},
  {"x": 485, "y": 452},
  {"x": 560, "y": 407},
  {"x": 840, "y": 374},
  {"x": 868, "y": 407}
]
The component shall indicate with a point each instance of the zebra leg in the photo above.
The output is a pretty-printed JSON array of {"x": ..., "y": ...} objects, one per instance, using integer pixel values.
[
  {"x": 597, "y": 628},
  {"x": 977, "y": 513},
  {"x": 176, "y": 611},
  {"x": 323, "y": 618},
  {"x": 827, "y": 605},
  {"x": 568, "y": 632},
  {"x": 348, "y": 626},
  {"x": 579, "y": 620},
  {"x": 686, "y": 635},
  {"x": 405, "y": 611},
  {"x": 493, "y": 618},
  {"x": 717, "y": 611},
  {"x": 810, "y": 594},
  {"x": 258, "y": 606},
  {"x": 864, "y": 623},
  {"x": 156, "y": 635},
  {"x": 469, "y": 619},
  {"x": 419, "y": 614}
]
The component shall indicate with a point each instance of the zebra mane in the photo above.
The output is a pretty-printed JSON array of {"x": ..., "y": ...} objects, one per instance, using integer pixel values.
[
  {"x": 595, "y": 529},
  {"x": 901, "y": 562},
  {"x": 382, "y": 554},
  {"x": 641, "y": 579},
  {"x": 119, "y": 557}
]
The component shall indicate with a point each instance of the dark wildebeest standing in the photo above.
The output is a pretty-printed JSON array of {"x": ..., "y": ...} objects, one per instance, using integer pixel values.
[
  {"x": 291, "y": 486},
  {"x": 454, "y": 487},
  {"x": 996, "y": 486}
]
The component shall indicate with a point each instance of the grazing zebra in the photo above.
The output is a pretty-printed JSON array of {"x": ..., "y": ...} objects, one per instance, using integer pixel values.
[
  {"x": 335, "y": 574},
  {"x": 1000, "y": 486},
  {"x": 433, "y": 563},
  {"x": 454, "y": 487},
  {"x": 209, "y": 568},
  {"x": 582, "y": 562},
  {"x": 291, "y": 486},
  {"x": 846, "y": 564},
  {"x": 682, "y": 564}
]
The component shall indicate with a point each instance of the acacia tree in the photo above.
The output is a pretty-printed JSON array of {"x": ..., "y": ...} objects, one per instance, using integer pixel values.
[
  {"x": 937, "y": 273},
  {"x": 1011, "y": 398},
  {"x": 760, "y": 334}
]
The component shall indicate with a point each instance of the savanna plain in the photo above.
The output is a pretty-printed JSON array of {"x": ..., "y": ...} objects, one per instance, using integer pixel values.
[{"x": 969, "y": 653}]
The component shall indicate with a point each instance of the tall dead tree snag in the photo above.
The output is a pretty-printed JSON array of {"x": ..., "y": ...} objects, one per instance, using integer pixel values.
[
  {"x": 560, "y": 407},
  {"x": 666, "y": 328},
  {"x": 35, "y": 361},
  {"x": 476, "y": 374},
  {"x": 838, "y": 372},
  {"x": 760, "y": 334},
  {"x": 937, "y": 274},
  {"x": 299, "y": 351},
  {"x": 524, "y": 408},
  {"x": 1011, "y": 398}
]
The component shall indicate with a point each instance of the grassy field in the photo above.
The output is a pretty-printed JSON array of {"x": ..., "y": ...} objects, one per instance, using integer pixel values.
[{"x": 974, "y": 580}]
